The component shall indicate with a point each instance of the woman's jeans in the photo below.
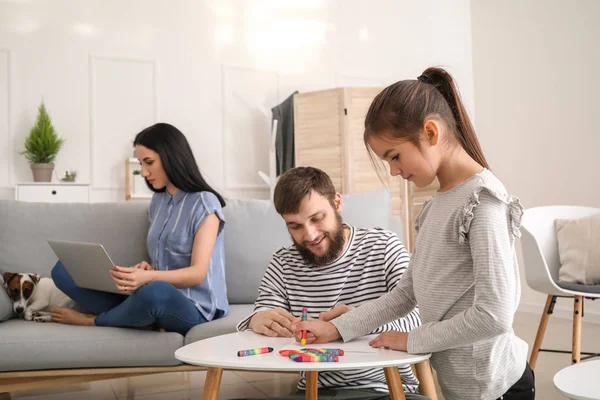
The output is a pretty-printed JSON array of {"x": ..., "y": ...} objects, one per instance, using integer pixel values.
[{"x": 158, "y": 303}]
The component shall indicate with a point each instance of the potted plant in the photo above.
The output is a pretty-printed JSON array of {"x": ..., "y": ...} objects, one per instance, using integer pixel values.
[
  {"x": 69, "y": 176},
  {"x": 41, "y": 146}
]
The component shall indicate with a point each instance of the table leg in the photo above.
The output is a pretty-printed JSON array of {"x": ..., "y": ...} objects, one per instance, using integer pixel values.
[
  {"x": 312, "y": 387},
  {"x": 426, "y": 382},
  {"x": 213, "y": 383},
  {"x": 394, "y": 383}
]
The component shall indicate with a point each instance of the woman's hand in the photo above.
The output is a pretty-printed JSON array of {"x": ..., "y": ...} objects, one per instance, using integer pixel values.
[
  {"x": 324, "y": 332},
  {"x": 391, "y": 340},
  {"x": 144, "y": 265},
  {"x": 130, "y": 279}
]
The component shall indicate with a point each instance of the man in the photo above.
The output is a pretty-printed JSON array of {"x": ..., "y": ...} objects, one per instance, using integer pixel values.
[{"x": 331, "y": 266}]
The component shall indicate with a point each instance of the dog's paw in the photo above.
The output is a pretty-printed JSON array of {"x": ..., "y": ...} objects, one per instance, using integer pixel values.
[
  {"x": 42, "y": 317},
  {"x": 28, "y": 315}
]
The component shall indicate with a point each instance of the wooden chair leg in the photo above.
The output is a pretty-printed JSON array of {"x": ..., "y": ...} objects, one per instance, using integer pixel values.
[
  {"x": 577, "y": 314},
  {"x": 312, "y": 385},
  {"x": 213, "y": 383},
  {"x": 392, "y": 376},
  {"x": 539, "y": 337},
  {"x": 426, "y": 381}
]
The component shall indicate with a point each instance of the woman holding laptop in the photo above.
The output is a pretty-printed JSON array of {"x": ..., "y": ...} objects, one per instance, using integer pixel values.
[{"x": 184, "y": 283}]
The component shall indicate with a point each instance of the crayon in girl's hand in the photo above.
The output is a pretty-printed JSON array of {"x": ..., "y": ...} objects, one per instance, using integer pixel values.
[
  {"x": 252, "y": 352},
  {"x": 304, "y": 318}
]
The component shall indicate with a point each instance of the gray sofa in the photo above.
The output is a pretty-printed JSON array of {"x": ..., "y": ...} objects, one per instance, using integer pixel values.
[{"x": 253, "y": 231}]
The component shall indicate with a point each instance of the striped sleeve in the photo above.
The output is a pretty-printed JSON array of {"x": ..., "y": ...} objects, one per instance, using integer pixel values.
[
  {"x": 496, "y": 291},
  {"x": 271, "y": 293},
  {"x": 396, "y": 263}
]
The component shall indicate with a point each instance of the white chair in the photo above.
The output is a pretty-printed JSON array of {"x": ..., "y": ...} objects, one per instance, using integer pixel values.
[{"x": 542, "y": 262}]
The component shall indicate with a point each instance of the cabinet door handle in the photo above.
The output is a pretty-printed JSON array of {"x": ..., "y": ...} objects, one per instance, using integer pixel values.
[{"x": 54, "y": 192}]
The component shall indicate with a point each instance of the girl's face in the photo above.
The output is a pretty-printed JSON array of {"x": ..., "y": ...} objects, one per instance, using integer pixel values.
[
  {"x": 152, "y": 168},
  {"x": 418, "y": 165}
]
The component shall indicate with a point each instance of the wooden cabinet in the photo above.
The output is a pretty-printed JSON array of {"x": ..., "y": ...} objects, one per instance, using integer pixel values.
[
  {"x": 52, "y": 192},
  {"x": 328, "y": 134}
]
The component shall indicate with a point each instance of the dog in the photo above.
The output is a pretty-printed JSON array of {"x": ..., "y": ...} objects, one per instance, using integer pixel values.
[{"x": 33, "y": 297}]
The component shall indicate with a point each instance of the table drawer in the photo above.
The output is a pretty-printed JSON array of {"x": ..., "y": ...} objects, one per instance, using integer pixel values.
[{"x": 53, "y": 193}]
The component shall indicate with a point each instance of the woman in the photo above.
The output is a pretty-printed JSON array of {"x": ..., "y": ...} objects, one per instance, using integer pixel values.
[{"x": 184, "y": 283}]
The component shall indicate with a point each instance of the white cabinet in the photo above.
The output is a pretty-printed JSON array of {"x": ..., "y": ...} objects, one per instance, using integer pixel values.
[{"x": 53, "y": 192}]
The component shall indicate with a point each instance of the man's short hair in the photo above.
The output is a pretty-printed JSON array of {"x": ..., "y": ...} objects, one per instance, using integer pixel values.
[{"x": 296, "y": 183}]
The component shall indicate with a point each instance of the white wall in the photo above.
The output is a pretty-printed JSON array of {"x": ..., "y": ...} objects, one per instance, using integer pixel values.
[
  {"x": 537, "y": 90},
  {"x": 106, "y": 70}
]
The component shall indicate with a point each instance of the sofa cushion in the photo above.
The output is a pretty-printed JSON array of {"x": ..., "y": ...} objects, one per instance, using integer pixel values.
[
  {"x": 255, "y": 230},
  {"x": 222, "y": 326},
  {"x": 121, "y": 227},
  {"x": 6, "y": 310},
  {"x": 31, "y": 346},
  {"x": 368, "y": 209},
  {"x": 578, "y": 249}
]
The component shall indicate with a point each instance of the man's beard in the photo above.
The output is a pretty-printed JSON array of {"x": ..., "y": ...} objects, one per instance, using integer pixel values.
[{"x": 336, "y": 245}]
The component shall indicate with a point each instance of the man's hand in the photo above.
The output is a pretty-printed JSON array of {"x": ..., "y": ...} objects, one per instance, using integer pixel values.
[
  {"x": 335, "y": 312},
  {"x": 275, "y": 323}
]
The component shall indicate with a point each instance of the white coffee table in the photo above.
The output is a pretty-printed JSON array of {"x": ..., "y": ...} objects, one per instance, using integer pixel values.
[
  {"x": 579, "y": 381},
  {"x": 220, "y": 352}
]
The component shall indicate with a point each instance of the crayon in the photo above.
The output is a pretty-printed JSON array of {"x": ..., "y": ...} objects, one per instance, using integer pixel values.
[
  {"x": 304, "y": 318},
  {"x": 252, "y": 352}
]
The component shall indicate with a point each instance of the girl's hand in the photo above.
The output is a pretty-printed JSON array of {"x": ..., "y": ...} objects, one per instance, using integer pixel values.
[
  {"x": 335, "y": 312},
  {"x": 310, "y": 337},
  {"x": 324, "y": 332},
  {"x": 128, "y": 279},
  {"x": 391, "y": 340}
]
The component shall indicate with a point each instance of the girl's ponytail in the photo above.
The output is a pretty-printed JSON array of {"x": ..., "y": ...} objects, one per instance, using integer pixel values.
[{"x": 443, "y": 82}]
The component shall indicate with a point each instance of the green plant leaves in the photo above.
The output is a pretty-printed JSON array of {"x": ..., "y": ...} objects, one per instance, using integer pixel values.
[{"x": 42, "y": 144}]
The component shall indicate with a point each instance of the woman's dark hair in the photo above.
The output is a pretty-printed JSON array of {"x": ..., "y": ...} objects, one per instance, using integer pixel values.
[
  {"x": 176, "y": 157},
  {"x": 400, "y": 110}
]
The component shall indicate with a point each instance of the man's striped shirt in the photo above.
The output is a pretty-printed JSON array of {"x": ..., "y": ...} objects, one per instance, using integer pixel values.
[{"x": 371, "y": 265}]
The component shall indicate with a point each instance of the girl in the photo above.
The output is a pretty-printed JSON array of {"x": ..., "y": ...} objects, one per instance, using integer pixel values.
[
  {"x": 184, "y": 285},
  {"x": 463, "y": 273}
]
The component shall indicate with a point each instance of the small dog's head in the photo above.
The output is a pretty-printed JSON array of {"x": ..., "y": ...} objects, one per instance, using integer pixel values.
[{"x": 20, "y": 288}]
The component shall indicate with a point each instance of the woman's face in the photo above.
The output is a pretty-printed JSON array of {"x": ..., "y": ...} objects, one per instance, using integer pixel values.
[{"x": 152, "y": 168}]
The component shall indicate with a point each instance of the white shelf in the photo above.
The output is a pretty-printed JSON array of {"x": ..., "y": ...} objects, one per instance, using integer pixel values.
[
  {"x": 140, "y": 196},
  {"x": 52, "y": 183}
]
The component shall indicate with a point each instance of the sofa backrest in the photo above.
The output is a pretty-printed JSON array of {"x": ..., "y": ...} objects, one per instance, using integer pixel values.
[
  {"x": 25, "y": 228},
  {"x": 253, "y": 232}
]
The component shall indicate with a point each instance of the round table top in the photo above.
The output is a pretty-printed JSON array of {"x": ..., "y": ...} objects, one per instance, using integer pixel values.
[
  {"x": 221, "y": 352},
  {"x": 579, "y": 381}
]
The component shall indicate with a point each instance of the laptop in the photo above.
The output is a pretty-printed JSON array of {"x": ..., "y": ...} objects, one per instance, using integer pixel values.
[{"x": 87, "y": 263}]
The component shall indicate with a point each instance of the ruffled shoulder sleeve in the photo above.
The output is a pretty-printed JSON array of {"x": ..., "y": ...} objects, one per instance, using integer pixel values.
[{"x": 512, "y": 203}]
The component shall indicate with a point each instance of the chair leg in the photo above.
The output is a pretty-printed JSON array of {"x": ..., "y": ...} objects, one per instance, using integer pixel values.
[
  {"x": 539, "y": 337},
  {"x": 577, "y": 314}
]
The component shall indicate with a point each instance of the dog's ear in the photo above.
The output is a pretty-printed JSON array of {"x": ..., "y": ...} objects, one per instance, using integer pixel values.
[
  {"x": 35, "y": 278},
  {"x": 8, "y": 276}
]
